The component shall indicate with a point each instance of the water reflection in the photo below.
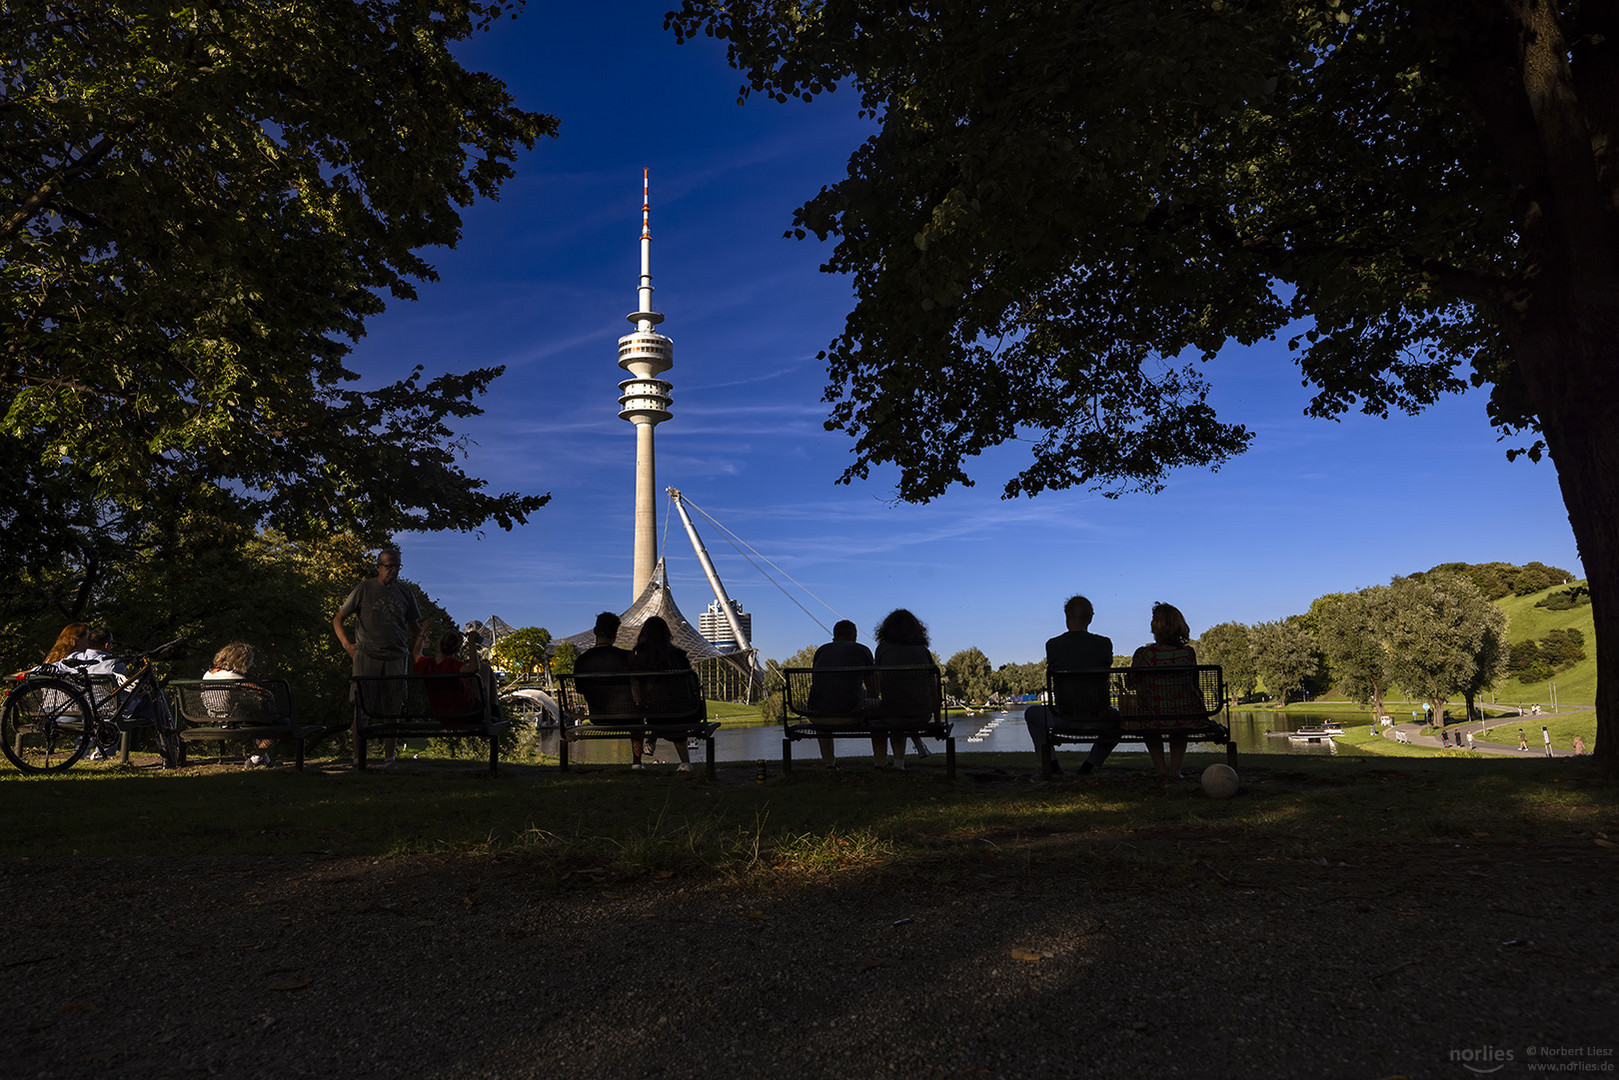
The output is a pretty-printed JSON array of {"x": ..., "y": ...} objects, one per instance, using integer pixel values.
[{"x": 999, "y": 732}]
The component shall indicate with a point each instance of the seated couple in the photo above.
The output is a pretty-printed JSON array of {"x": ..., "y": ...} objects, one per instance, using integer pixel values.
[
  {"x": 852, "y": 698},
  {"x": 1081, "y": 650},
  {"x": 654, "y": 650},
  {"x": 453, "y": 701}
]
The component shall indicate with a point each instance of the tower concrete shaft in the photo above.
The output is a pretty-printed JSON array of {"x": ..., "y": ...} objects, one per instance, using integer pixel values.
[{"x": 644, "y": 401}]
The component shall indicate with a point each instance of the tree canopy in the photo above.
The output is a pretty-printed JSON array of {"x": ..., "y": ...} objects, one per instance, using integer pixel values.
[
  {"x": 1229, "y": 645},
  {"x": 1351, "y": 630},
  {"x": 1066, "y": 200},
  {"x": 200, "y": 206},
  {"x": 1284, "y": 656},
  {"x": 1443, "y": 638},
  {"x": 524, "y": 650},
  {"x": 969, "y": 677}
]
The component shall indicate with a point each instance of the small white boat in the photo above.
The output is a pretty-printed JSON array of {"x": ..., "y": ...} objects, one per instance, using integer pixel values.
[{"x": 1316, "y": 732}]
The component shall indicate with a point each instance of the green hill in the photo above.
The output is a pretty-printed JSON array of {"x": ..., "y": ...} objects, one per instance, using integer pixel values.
[{"x": 1526, "y": 622}]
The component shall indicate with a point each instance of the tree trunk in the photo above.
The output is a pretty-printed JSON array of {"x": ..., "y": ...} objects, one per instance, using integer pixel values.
[{"x": 1567, "y": 356}]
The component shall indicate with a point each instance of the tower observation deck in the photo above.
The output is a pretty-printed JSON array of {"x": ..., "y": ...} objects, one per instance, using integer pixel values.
[{"x": 644, "y": 400}]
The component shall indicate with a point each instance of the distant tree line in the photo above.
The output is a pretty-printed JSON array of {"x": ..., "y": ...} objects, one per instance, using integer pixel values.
[
  {"x": 1436, "y": 635},
  {"x": 1497, "y": 579}
]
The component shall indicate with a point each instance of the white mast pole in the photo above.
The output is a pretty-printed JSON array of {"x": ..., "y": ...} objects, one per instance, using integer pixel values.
[{"x": 742, "y": 642}]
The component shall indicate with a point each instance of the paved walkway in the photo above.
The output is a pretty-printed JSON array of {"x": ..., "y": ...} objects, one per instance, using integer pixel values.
[{"x": 1530, "y": 724}]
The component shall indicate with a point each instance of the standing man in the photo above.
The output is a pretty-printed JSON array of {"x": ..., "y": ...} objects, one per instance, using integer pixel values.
[
  {"x": 1546, "y": 737},
  {"x": 387, "y": 622},
  {"x": 1077, "y": 650}
]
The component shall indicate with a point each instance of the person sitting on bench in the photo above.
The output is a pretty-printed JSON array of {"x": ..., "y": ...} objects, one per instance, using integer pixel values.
[
  {"x": 1077, "y": 650},
  {"x": 453, "y": 702},
  {"x": 655, "y": 650},
  {"x": 245, "y": 701},
  {"x": 1164, "y": 695},
  {"x": 841, "y": 696},
  {"x": 902, "y": 641}
]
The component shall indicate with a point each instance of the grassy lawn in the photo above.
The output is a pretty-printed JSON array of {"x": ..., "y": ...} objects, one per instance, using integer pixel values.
[
  {"x": 609, "y": 822},
  {"x": 1578, "y": 684},
  {"x": 736, "y": 715},
  {"x": 1562, "y": 728}
]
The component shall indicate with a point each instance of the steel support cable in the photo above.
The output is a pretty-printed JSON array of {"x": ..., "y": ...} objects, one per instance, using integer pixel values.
[{"x": 738, "y": 543}]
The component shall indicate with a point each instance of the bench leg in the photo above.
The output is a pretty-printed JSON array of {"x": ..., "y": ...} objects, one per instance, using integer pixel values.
[
  {"x": 298, "y": 755},
  {"x": 359, "y": 746},
  {"x": 1231, "y": 754},
  {"x": 123, "y": 746},
  {"x": 950, "y": 757},
  {"x": 494, "y": 753},
  {"x": 787, "y": 758},
  {"x": 562, "y": 752},
  {"x": 1045, "y": 761},
  {"x": 709, "y": 770}
]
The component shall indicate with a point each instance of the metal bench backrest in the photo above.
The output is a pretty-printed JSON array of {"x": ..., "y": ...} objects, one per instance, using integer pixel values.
[
  {"x": 827, "y": 692},
  {"x": 448, "y": 699},
  {"x": 898, "y": 691},
  {"x": 634, "y": 697},
  {"x": 1081, "y": 695},
  {"x": 252, "y": 700},
  {"x": 1192, "y": 694},
  {"x": 1172, "y": 691}
]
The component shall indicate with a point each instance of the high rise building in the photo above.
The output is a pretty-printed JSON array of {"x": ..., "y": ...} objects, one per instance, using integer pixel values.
[{"x": 716, "y": 628}]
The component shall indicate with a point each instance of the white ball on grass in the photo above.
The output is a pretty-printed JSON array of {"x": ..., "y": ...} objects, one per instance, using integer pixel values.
[{"x": 1220, "y": 781}]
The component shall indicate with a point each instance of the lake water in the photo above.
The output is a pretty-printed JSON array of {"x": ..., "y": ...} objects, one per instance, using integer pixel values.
[{"x": 999, "y": 732}]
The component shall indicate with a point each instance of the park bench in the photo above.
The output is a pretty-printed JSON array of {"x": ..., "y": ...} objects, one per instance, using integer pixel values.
[
  {"x": 423, "y": 707},
  {"x": 1136, "y": 704},
  {"x": 837, "y": 703},
  {"x": 102, "y": 691},
  {"x": 635, "y": 705},
  {"x": 239, "y": 710}
]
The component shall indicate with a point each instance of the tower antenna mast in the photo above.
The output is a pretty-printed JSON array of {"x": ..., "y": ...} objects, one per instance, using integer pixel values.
[{"x": 644, "y": 400}]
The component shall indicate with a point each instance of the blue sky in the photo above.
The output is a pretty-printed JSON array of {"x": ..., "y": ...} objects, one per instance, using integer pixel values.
[{"x": 542, "y": 282}]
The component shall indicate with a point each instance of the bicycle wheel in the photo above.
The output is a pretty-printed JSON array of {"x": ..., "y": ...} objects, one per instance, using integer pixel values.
[
  {"x": 42, "y": 727},
  {"x": 169, "y": 744}
]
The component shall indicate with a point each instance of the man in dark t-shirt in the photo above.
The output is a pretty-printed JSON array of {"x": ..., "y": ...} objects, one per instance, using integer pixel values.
[
  {"x": 839, "y": 695},
  {"x": 606, "y": 658},
  {"x": 387, "y": 621},
  {"x": 1083, "y": 701}
]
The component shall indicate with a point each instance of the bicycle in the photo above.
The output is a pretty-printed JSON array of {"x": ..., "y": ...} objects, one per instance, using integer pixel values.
[{"x": 51, "y": 719}]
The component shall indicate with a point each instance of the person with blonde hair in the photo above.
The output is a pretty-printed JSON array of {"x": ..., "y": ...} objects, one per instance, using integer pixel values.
[
  {"x": 245, "y": 700},
  {"x": 1170, "y": 647}
]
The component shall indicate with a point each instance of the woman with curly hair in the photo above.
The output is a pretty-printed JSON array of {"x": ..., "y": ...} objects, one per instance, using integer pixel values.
[
  {"x": 246, "y": 701},
  {"x": 655, "y": 650},
  {"x": 902, "y": 641}
]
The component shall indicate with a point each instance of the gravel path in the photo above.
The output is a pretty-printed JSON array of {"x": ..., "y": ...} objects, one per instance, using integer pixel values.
[{"x": 1035, "y": 964}]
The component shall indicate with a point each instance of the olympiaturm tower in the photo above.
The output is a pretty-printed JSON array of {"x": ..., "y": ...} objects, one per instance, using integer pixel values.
[{"x": 644, "y": 401}]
